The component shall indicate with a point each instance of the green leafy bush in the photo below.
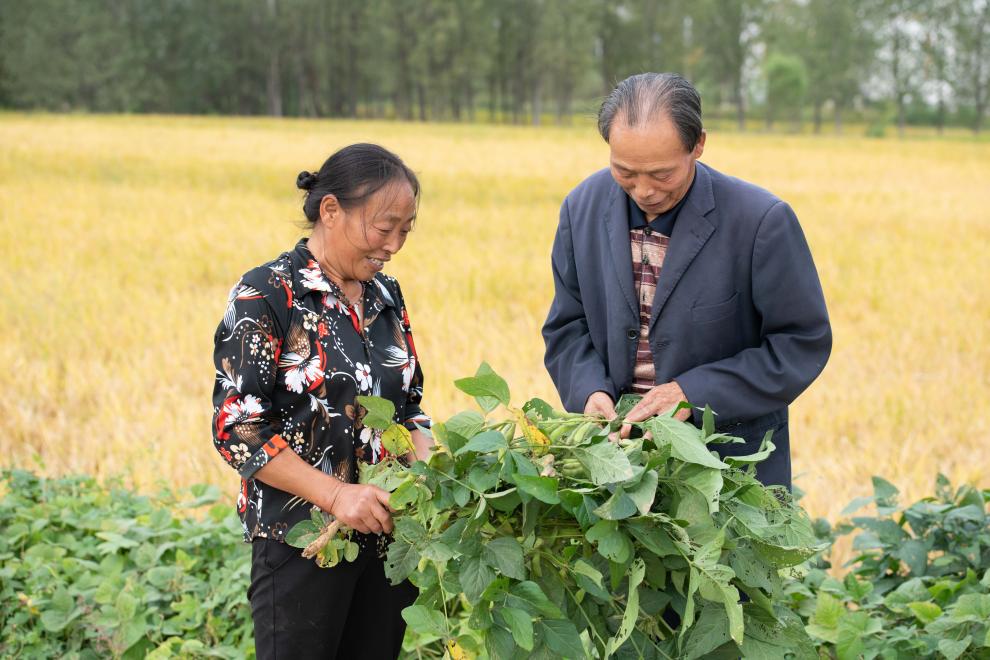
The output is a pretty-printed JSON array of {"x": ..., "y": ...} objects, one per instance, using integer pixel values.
[
  {"x": 532, "y": 534},
  {"x": 88, "y": 571},
  {"x": 919, "y": 587}
]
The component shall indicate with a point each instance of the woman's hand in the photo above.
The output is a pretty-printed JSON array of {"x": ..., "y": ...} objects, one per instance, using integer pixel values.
[{"x": 362, "y": 507}]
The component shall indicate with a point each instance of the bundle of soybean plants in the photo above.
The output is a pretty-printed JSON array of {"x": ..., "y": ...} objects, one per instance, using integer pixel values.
[{"x": 534, "y": 534}]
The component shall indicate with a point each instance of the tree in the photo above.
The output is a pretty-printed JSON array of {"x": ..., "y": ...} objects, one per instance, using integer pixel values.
[
  {"x": 787, "y": 83},
  {"x": 838, "y": 50},
  {"x": 731, "y": 27},
  {"x": 971, "y": 27}
]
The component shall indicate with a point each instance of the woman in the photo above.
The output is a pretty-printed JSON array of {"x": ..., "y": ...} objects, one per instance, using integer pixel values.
[{"x": 302, "y": 336}]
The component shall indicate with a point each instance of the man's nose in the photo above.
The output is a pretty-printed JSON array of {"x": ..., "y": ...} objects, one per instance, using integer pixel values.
[{"x": 643, "y": 191}]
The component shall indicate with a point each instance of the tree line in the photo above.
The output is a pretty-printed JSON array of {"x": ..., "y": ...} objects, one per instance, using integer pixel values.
[{"x": 521, "y": 61}]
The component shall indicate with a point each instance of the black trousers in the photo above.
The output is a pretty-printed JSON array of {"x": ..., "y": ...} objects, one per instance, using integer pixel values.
[{"x": 302, "y": 611}]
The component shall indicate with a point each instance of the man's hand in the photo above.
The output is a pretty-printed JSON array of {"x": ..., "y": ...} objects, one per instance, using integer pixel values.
[
  {"x": 656, "y": 402},
  {"x": 600, "y": 404}
]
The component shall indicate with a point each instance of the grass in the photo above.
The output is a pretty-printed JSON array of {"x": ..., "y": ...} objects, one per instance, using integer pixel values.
[{"x": 122, "y": 235}]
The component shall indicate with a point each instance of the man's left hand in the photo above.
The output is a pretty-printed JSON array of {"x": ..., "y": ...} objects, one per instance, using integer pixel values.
[{"x": 656, "y": 402}]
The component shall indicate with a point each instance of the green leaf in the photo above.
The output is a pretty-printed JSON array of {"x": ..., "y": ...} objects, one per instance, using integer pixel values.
[
  {"x": 475, "y": 576},
  {"x": 885, "y": 494},
  {"x": 605, "y": 462},
  {"x": 714, "y": 584},
  {"x": 406, "y": 493},
  {"x": 652, "y": 536},
  {"x": 424, "y": 620},
  {"x": 856, "y": 588},
  {"x": 486, "y": 442},
  {"x": 126, "y": 606},
  {"x": 685, "y": 442},
  {"x": 54, "y": 621},
  {"x": 530, "y": 593},
  {"x": 854, "y": 506},
  {"x": 706, "y": 481},
  {"x": 487, "y": 387},
  {"x": 709, "y": 632},
  {"x": 925, "y": 612},
  {"x": 763, "y": 453},
  {"x": 854, "y": 629},
  {"x": 626, "y": 403},
  {"x": 542, "y": 488},
  {"x": 612, "y": 543},
  {"x": 952, "y": 648},
  {"x": 617, "y": 507},
  {"x": 397, "y": 440},
  {"x": 505, "y": 554},
  {"x": 644, "y": 492},
  {"x": 539, "y": 409},
  {"x": 499, "y": 643},
  {"x": 972, "y": 607},
  {"x": 824, "y": 623},
  {"x": 401, "y": 561},
  {"x": 520, "y": 624},
  {"x": 351, "y": 550},
  {"x": 636, "y": 572},
  {"x": 910, "y": 591},
  {"x": 752, "y": 570},
  {"x": 581, "y": 567},
  {"x": 914, "y": 553},
  {"x": 466, "y": 424},
  {"x": 380, "y": 412},
  {"x": 707, "y": 422},
  {"x": 563, "y": 638}
]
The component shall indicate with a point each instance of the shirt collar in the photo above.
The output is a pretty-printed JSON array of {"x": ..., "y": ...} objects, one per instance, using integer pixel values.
[
  {"x": 663, "y": 223},
  {"x": 310, "y": 277}
]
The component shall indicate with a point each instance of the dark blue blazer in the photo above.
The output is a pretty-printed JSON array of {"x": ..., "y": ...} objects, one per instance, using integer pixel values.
[{"x": 739, "y": 319}]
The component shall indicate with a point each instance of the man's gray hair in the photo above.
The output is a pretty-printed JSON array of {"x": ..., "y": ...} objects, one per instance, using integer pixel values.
[{"x": 645, "y": 96}]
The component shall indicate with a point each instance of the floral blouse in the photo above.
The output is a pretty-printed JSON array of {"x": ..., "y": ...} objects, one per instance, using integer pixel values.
[{"x": 290, "y": 359}]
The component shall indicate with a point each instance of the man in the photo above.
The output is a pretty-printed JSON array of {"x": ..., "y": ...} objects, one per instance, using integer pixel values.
[{"x": 680, "y": 283}]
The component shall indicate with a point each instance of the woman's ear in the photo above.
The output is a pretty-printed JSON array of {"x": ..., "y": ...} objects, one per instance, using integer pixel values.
[{"x": 330, "y": 210}]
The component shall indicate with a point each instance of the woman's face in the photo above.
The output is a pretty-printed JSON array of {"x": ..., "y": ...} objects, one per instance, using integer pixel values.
[{"x": 362, "y": 239}]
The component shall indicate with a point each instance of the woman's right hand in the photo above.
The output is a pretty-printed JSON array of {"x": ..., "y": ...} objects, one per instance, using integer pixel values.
[{"x": 362, "y": 507}]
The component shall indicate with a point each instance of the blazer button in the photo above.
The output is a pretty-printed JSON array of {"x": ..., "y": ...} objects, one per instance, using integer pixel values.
[{"x": 632, "y": 334}]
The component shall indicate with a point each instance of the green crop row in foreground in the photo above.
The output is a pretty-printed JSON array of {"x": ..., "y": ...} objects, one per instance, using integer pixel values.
[{"x": 530, "y": 533}]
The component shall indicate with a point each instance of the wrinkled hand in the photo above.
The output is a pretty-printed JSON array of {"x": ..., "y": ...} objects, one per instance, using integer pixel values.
[
  {"x": 362, "y": 507},
  {"x": 656, "y": 402},
  {"x": 601, "y": 405}
]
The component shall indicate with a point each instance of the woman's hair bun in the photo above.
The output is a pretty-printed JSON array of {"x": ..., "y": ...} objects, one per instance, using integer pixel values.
[{"x": 305, "y": 180}]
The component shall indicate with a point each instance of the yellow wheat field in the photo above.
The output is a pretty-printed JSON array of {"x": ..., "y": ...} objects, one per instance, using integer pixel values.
[{"x": 121, "y": 236}]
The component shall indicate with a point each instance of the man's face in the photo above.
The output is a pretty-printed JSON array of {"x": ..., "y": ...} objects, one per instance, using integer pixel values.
[{"x": 651, "y": 164}]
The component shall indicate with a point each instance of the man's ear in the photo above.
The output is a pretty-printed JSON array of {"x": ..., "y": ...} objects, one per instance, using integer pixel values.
[{"x": 700, "y": 147}]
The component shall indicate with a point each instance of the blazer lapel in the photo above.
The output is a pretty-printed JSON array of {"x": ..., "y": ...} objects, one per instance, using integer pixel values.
[
  {"x": 617, "y": 225},
  {"x": 691, "y": 231}
]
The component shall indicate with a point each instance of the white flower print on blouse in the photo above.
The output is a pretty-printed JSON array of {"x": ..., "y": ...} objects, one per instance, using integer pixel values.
[
  {"x": 242, "y": 409},
  {"x": 362, "y": 373},
  {"x": 373, "y": 439},
  {"x": 300, "y": 373},
  {"x": 312, "y": 277},
  {"x": 241, "y": 453}
]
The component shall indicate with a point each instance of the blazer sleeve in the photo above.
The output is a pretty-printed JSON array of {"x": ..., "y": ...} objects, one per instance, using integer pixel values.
[
  {"x": 795, "y": 330},
  {"x": 577, "y": 369}
]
